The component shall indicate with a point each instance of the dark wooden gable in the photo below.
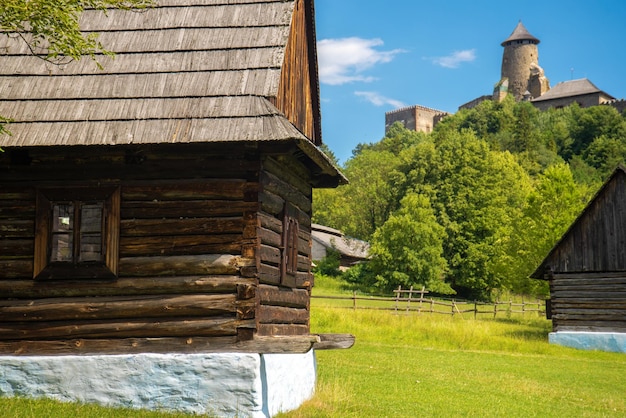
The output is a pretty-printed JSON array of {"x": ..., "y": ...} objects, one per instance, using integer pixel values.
[
  {"x": 298, "y": 91},
  {"x": 596, "y": 241}
]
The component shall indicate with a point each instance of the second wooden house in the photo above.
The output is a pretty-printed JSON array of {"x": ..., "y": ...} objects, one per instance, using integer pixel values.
[{"x": 586, "y": 270}]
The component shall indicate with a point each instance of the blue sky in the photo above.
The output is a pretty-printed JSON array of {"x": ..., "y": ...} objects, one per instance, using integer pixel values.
[{"x": 375, "y": 56}]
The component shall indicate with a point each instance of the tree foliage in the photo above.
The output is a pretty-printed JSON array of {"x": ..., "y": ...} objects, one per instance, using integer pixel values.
[
  {"x": 51, "y": 27},
  {"x": 407, "y": 249},
  {"x": 477, "y": 204}
]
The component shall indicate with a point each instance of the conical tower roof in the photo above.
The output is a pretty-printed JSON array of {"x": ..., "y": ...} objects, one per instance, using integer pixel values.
[{"x": 519, "y": 34}]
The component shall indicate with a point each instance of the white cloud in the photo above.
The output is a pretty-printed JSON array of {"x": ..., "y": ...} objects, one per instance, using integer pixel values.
[
  {"x": 379, "y": 100},
  {"x": 344, "y": 60},
  {"x": 455, "y": 59}
]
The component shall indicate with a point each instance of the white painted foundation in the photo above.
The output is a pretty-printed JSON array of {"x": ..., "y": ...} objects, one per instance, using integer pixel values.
[
  {"x": 224, "y": 385},
  {"x": 602, "y": 341}
]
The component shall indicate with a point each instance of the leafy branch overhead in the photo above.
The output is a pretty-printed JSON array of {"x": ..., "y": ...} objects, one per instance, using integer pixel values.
[{"x": 51, "y": 29}]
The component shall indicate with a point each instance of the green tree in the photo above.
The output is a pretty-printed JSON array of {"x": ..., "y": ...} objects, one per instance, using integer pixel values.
[
  {"x": 587, "y": 124},
  {"x": 407, "y": 250},
  {"x": 477, "y": 194},
  {"x": 51, "y": 28},
  {"x": 605, "y": 154},
  {"x": 358, "y": 208},
  {"x": 549, "y": 211}
]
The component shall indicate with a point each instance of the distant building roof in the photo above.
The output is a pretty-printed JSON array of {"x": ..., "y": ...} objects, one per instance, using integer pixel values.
[
  {"x": 520, "y": 33},
  {"x": 571, "y": 88},
  {"x": 333, "y": 238}
]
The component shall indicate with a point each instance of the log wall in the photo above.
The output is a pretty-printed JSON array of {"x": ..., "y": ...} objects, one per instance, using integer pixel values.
[
  {"x": 187, "y": 246},
  {"x": 590, "y": 302},
  {"x": 284, "y": 302}
]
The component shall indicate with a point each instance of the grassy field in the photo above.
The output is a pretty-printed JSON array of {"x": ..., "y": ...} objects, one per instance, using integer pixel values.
[
  {"x": 441, "y": 366},
  {"x": 433, "y": 365},
  {"x": 407, "y": 366}
]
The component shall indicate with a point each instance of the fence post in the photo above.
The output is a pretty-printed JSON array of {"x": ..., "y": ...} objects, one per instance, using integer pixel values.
[
  {"x": 523, "y": 306},
  {"x": 453, "y": 305},
  {"x": 354, "y": 300},
  {"x": 495, "y": 309},
  {"x": 398, "y": 297},
  {"x": 419, "y": 309},
  {"x": 408, "y": 301},
  {"x": 508, "y": 314},
  {"x": 432, "y": 305},
  {"x": 475, "y": 309}
]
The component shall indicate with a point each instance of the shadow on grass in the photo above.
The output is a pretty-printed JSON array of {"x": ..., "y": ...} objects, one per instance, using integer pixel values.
[{"x": 526, "y": 329}]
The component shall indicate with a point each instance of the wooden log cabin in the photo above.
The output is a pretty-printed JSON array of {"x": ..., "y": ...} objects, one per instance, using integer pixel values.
[
  {"x": 163, "y": 203},
  {"x": 587, "y": 267}
]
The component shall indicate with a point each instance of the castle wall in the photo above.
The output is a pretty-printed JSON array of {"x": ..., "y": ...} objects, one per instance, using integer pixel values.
[{"x": 415, "y": 118}]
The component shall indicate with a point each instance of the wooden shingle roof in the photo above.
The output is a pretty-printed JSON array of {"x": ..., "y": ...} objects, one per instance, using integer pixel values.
[{"x": 184, "y": 71}]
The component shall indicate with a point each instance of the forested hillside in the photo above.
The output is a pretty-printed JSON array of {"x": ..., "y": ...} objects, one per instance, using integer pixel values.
[{"x": 473, "y": 207}]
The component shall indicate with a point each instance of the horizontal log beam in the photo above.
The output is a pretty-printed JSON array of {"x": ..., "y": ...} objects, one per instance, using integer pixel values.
[
  {"x": 29, "y": 289},
  {"x": 181, "y": 245},
  {"x": 583, "y": 293},
  {"x": 189, "y": 345},
  {"x": 334, "y": 341},
  {"x": 168, "y": 227},
  {"x": 17, "y": 228},
  {"x": 599, "y": 317},
  {"x": 183, "y": 265},
  {"x": 17, "y": 247},
  {"x": 271, "y": 275},
  {"x": 158, "y": 306},
  {"x": 281, "y": 315},
  {"x": 589, "y": 326},
  {"x": 281, "y": 296},
  {"x": 184, "y": 327},
  {"x": 16, "y": 268},
  {"x": 588, "y": 275},
  {"x": 187, "y": 208},
  {"x": 179, "y": 190},
  {"x": 282, "y": 329}
]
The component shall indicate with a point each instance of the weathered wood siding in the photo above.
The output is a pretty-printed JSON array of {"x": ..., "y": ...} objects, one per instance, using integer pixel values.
[
  {"x": 186, "y": 246},
  {"x": 283, "y": 302},
  {"x": 597, "y": 241},
  {"x": 298, "y": 91},
  {"x": 587, "y": 267},
  {"x": 588, "y": 302}
]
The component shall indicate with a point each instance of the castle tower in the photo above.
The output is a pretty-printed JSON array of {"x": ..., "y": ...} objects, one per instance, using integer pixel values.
[{"x": 521, "y": 74}]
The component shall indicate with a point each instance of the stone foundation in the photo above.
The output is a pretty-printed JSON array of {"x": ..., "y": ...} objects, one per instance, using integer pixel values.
[
  {"x": 603, "y": 341},
  {"x": 225, "y": 385}
]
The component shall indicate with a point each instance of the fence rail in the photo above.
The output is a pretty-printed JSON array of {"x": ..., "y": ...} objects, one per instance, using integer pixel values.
[{"x": 413, "y": 301}]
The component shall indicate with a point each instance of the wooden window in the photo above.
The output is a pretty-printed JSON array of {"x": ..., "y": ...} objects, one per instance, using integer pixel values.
[
  {"x": 291, "y": 229},
  {"x": 77, "y": 233}
]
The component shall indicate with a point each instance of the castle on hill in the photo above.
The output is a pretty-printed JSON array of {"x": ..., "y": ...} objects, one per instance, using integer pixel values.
[{"x": 523, "y": 78}]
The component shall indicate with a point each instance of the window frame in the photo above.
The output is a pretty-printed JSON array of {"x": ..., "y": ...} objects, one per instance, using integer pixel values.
[{"x": 43, "y": 267}]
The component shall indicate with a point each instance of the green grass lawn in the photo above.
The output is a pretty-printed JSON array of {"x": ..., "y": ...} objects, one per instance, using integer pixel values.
[
  {"x": 435, "y": 366},
  {"x": 430, "y": 365}
]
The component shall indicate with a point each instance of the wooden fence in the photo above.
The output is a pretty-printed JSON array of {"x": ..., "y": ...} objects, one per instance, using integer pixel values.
[{"x": 414, "y": 301}]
